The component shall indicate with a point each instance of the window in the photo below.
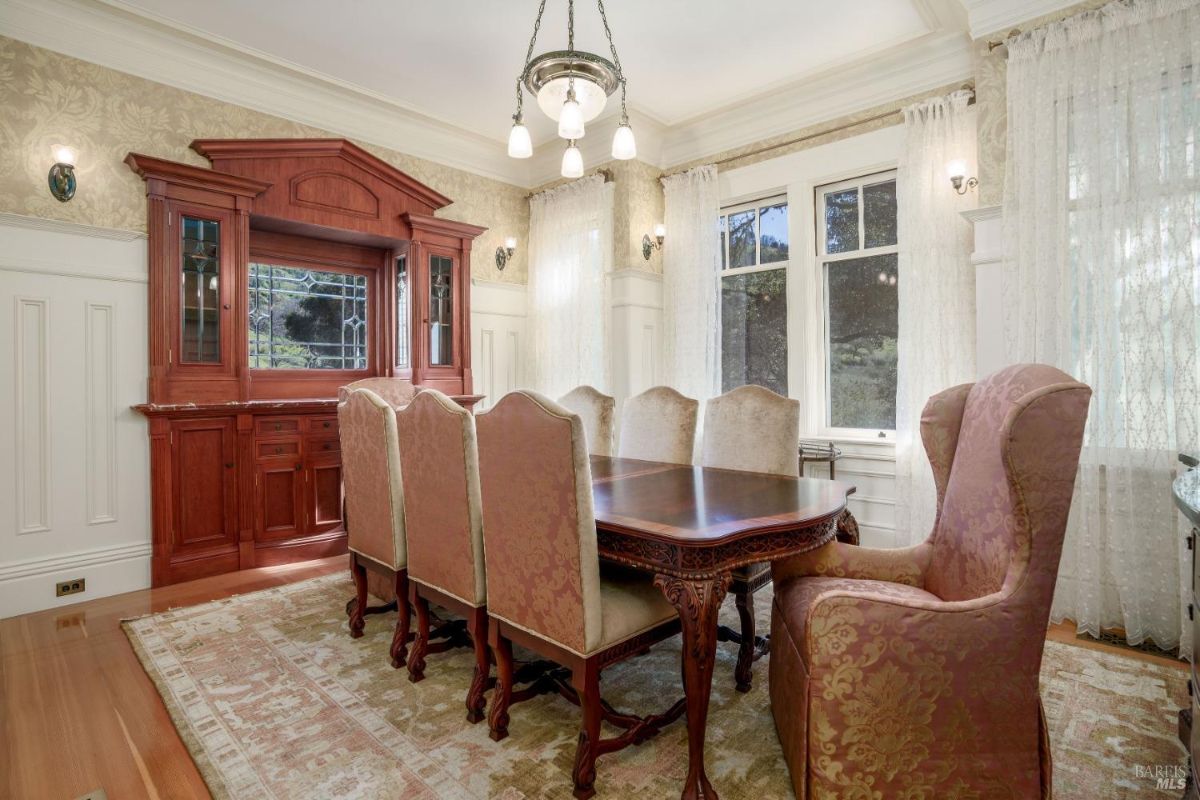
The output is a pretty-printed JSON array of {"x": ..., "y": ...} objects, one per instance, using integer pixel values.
[
  {"x": 857, "y": 254},
  {"x": 754, "y": 260},
  {"x": 307, "y": 318}
]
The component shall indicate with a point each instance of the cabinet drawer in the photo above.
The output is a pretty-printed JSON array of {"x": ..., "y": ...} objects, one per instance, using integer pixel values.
[
  {"x": 318, "y": 446},
  {"x": 276, "y": 449},
  {"x": 322, "y": 426},
  {"x": 268, "y": 427}
]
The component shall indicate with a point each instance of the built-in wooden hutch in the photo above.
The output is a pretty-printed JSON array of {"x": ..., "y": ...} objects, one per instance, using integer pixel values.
[{"x": 292, "y": 267}]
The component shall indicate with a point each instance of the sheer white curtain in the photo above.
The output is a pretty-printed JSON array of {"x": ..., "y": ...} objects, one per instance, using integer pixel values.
[
  {"x": 570, "y": 256},
  {"x": 690, "y": 320},
  {"x": 1102, "y": 217},
  {"x": 936, "y": 343}
]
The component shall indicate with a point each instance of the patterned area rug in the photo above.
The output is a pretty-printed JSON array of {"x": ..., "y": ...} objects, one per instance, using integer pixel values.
[{"x": 274, "y": 699}]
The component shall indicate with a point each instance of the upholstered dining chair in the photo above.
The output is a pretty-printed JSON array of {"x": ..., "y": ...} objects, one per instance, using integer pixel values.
[
  {"x": 753, "y": 429},
  {"x": 915, "y": 671},
  {"x": 374, "y": 500},
  {"x": 597, "y": 411},
  {"x": 546, "y": 588},
  {"x": 396, "y": 392},
  {"x": 658, "y": 425},
  {"x": 444, "y": 529}
]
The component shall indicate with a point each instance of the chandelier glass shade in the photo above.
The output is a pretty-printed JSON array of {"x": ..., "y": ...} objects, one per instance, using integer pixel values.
[{"x": 572, "y": 88}]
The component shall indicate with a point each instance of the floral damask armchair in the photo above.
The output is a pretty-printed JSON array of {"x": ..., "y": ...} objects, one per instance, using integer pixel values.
[{"x": 913, "y": 673}]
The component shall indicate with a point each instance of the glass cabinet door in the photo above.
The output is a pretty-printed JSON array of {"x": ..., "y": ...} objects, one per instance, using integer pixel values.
[
  {"x": 441, "y": 311},
  {"x": 403, "y": 321},
  {"x": 200, "y": 300}
]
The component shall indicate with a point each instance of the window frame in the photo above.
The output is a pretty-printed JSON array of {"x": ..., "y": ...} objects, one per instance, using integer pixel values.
[{"x": 820, "y": 259}]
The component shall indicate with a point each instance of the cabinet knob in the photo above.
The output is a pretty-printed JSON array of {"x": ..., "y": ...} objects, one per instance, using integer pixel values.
[
  {"x": 278, "y": 426},
  {"x": 228, "y": 465},
  {"x": 327, "y": 423},
  {"x": 328, "y": 446},
  {"x": 297, "y": 468},
  {"x": 226, "y": 306},
  {"x": 278, "y": 450}
]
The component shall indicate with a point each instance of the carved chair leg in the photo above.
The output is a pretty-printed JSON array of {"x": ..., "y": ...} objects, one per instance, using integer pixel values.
[
  {"x": 743, "y": 673},
  {"x": 399, "y": 646},
  {"x": 498, "y": 713},
  {"x": 416, "y": 659},
  {"x": 586, "y": 682},
  {"x": 477, "y": 624},
  {"x": 359, "y": 573}
]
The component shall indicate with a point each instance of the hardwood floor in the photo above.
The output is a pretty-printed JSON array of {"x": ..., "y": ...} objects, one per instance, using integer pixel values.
[{"x": 77, "y": 712}]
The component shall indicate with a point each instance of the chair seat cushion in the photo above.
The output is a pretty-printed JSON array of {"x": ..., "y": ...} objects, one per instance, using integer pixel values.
[
  {"x": 794, "y": 598},
  {"x": 630, "y": 604}
]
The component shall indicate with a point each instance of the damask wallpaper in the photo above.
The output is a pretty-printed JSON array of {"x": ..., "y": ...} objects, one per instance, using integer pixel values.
[{"x": 49, "y": 99}]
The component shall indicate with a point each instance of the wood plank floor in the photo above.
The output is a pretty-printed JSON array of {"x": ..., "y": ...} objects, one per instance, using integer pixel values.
[{"x": 77, "y": 712}]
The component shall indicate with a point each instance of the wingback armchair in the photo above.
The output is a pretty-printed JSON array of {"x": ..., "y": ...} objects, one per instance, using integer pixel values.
[{"x": 914, "y": 672}]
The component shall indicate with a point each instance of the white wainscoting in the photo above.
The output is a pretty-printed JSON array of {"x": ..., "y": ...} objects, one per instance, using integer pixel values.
[
  {"x": 871, "y": 467},
  {"x": 635, "y": 333},
  {"x": 498, "y": 339},
  {"x": 74, "y": 481},
  {"x": 987, "y": 258}
]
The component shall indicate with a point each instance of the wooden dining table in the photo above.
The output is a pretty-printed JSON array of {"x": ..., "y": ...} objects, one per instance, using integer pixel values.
[{"x": 691, "y": 526}]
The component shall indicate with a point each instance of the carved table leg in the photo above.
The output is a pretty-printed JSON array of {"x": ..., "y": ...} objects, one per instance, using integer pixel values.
[{"x": 698, "y": 602}]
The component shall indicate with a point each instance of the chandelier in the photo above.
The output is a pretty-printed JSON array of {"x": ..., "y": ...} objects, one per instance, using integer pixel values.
[{"x": 572, "y": 87}]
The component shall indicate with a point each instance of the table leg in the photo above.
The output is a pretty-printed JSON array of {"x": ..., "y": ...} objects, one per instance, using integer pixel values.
[{"x": 698, "y": 602}]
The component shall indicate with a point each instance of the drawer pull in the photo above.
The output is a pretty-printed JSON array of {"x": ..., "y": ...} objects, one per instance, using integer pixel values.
[
  {"x": 297, "y": 468},
  {"x": 278, "y": 426},
  {"x": 228, "y": 465},
  {"x": 327, "y": 423},
  {"x": 278, "y": 450},
  {"x": 328, "y": 446}
]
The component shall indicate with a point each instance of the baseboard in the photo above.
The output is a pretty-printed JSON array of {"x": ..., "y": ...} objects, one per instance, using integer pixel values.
[{"x": 27, "y": 586}]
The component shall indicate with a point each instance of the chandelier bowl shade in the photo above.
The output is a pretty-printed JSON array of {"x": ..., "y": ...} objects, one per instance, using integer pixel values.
[{"x": 549, "y": 79}]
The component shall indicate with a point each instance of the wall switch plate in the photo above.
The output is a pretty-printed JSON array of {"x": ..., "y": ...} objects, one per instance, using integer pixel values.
[{"x": 74, "y": 586}]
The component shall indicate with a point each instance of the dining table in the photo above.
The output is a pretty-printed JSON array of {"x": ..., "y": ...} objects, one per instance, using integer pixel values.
[{"x": 691, "y": 526}]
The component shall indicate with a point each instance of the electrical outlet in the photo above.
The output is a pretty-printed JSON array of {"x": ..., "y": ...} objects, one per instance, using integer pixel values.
[{"x": 70, "y": 587}]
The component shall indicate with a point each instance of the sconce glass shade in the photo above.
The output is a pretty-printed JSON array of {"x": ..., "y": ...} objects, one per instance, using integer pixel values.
[
  {"x": 570, "y": 122},
  {"x": 64, "y": 155},
  {"x": 624, "y": 147},
  {"x": 957, "y": 168},
  {"x": 572, "y": 162},
  {"x": 519, "y": 143},
  {"x": 591, "y": 97},
  {"x": 510, "y": 243},
  {"x": 660, "y": 231}
]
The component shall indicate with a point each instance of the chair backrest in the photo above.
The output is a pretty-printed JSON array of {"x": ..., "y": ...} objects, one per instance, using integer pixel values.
[
  {"x": 1004, "y": 452},
  {"x": 539, "y": 529},
  {"x": 442, "y": 514},
  {"x": 596, "y": 410},
  {"x": 753, "y": 429},
  {"x": 396, "y": 392},
  {"x": 659, "y": 425},
  {"x": 371, "y": 476}
]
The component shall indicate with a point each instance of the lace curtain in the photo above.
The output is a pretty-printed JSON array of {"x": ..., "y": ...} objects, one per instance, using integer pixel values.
[
  {"x": 570, "y": 256},
  {"x": 936, "y": 342},
  {"x": 1102, "y": 232},
  {"x": 690, "y": 333}
]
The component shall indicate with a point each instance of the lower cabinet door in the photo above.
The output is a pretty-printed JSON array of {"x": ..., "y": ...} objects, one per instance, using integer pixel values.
[
  {"x": 323, "y": 485},
  {"x": 204, "y": 480},
  {"x": 278, "y": 496}
]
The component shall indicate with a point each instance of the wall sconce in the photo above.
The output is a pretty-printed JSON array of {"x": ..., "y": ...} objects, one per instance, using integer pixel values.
[
  {"x": 957, "y": 169},
  {"x": 503, "y": 254},
  {"x": 62, "y": 174},
  {"x": 649, "y": 246}
]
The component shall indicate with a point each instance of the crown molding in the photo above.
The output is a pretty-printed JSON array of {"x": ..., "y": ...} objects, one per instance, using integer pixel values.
[
  {"x": 12, "y": 220},
  {"x": 986, "y": 17},
  {"x": 119, "y": 39}
]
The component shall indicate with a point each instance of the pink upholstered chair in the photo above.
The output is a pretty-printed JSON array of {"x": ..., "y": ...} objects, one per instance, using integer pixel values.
[
  {"x": 753, "y": 429},
  {"x": 546, "y": 588},
  {"x": 597, "y": 411},
  {"x": 374, "y": 506},
  {"x": 396, "y": 392},
  {"x": 659, "y": 425},
  {"x": 444, "y": 528},
  {"x": 914, "y": 672}
]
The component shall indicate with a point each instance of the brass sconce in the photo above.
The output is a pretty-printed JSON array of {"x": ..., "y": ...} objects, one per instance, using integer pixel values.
[
  {"x": 650, "y": 245},
  {"x": 62, "y": 175},
  {"x": 957, "y": 169},
  {"x": 503, "y": 254}
]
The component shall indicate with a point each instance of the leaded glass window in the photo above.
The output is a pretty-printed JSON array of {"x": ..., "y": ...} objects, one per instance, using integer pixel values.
[{"x": 307, "y": 318}]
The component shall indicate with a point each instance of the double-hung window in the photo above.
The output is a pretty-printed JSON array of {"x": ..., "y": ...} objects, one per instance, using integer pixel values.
[{"x": 754, "y": 264}]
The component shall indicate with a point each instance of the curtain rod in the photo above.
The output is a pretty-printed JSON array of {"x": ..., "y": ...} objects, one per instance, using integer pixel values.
[
  {"x": 605, "y": 171},
  {"x": 817, "y": 135},
  {"x": 1003, "y": 41}
]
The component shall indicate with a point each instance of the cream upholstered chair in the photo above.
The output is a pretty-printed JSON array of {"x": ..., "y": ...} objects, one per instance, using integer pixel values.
[
  {"x": 659, "y": 425},
  {"x": 374, "y": 506},
  {"x": 753, "y": 429},
  {"x": 546, "y": 588},
  {"x": 596, "y": 410},
  {"x": 444, "y": 528},
  {"x": 396, "y": 392},
  {"x": 914, "y": 672}
]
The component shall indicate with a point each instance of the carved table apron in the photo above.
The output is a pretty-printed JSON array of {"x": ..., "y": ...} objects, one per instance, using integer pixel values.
[{"x": 691, "y": 526}]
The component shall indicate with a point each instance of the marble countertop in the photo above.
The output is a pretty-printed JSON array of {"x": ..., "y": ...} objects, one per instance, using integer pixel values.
[{"x": 1187, "y": 494}]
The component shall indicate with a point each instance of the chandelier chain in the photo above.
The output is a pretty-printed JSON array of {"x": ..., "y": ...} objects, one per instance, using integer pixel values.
[
  {"x": 537, "y": 24},
  {"x": 616, "y": 58},
  {"x": 571, "y": 25}
]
